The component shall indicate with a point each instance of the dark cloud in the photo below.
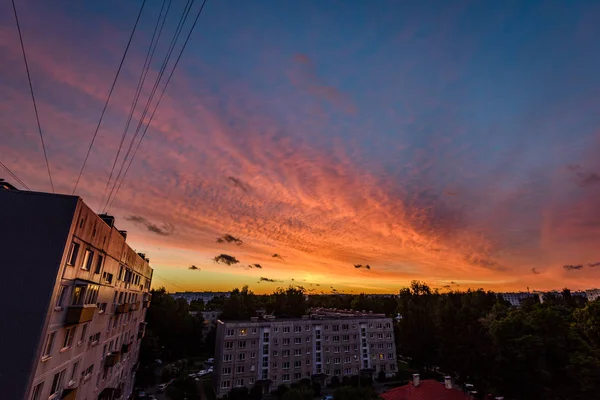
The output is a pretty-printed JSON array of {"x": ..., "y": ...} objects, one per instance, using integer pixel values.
[
  {"x": 592, "y": 265},
  {"x": 166, "y": 229},
  {"x": 572, "y": 267},
  {"x": 237, "y": 183},
  {"x": 446, "y": 286},
  {"x": 366, "y": 266},
  {"x": 263, "y": 279},
  {"x": 483, "y": 262},
  {"x": 255, "y": 266},
  {"x": 226, "y": 259},
  {"x": 229, "y": 239},
  {"x": 278, "y": 256},
  {"x": 194, "y": 268},
  {"x": 535, "y": 271},
  {"x": 584, "y": 178}
]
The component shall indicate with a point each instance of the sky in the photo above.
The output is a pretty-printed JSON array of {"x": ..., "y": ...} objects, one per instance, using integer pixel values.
[{"x": 450, "y": 142}]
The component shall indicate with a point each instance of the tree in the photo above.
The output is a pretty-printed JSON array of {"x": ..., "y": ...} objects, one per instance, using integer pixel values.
[
  {"x": 351, "y": 393},
  {"x": 256, "y": 392},
  {"x": 290, "y": 302},
  {"x": 381, "y": 376},
  {"x": 335, "y": 382},
  {"x": 197, "y": 305},
  {"x": 281, "y": 391},
  {"x": 238, "y": 393},
  {"x": 316, "y": 388},
  {"x": 300, "y": 393}
]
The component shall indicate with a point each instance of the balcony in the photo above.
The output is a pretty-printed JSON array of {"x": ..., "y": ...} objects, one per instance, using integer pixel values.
[
  {"x": 134, "y": 306},
  {"x": 111, "y": 359},
  {"x": 80, "y": 314},
  {"x": 69, "y": 394},
  {"x": 121, "y": 308}
]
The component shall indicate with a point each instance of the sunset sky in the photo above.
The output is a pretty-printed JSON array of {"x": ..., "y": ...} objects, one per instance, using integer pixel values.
[{"x": 453, "y": 144}]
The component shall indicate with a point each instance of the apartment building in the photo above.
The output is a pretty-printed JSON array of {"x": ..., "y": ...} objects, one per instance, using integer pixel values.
[
  {"x": 515, "y": 298},
  {"x": 319, "y": 346},
  {"x": 75, "y": 297}
]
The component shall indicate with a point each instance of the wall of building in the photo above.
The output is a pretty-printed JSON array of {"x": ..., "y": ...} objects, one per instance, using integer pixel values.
[
  {"x": 94, "y": 304},
  {"x": 284, "y": 351},
  {"x": 33, "y": 231}
]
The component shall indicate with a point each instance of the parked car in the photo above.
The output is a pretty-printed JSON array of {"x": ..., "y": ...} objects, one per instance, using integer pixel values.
[{"x": 162, "y": 387}]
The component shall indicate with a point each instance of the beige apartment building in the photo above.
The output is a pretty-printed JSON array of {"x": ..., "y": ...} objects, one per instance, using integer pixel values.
[
  {"x": 324, "y": 344},
  {"x": 76, "y": 296}
]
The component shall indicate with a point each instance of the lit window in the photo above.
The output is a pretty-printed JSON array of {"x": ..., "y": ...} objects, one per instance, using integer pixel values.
[{"x": 87, "y": 260}]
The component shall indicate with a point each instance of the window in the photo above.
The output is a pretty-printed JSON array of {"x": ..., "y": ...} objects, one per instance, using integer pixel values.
[
  {"x": 227, "y": 371},
  {"x": 274, "y": 365},
  {"x": 276, "y": 329},
  {"x": 101, "y": 308},
  {"x": 37, "y": 391},
  {"x": 48, "y": 346},
  {"x": 107, "y": 277},
  {"x": 380, "y": 346},
  {"x": 73, "y": 253},
  {"x": 225, "y": 384},
  {"x": 229, "y": 345},
  {"x": 83, "y": 332},
  {"x": 243, "y": 332},
  {"x": 241, "y": 356},
  {"x": 346, "y": 360},
  {"x": 297, "y": 329},
  {"x": 297, "y": 352},
  {"x": 99, "y": 264},
  {"x": 227, "y": 357},
  {"x": 239, "y": 382},
  {"x": 240, "y": 369},
  {"x": 327, "y": 338},
  {"x": 87, "y": 373},
  {"x": 274, "y": 353},
  {"x": 286, "y": 365},
  {"x": 392, "y": 367},
  {"x": 345, "y": 338},
  {"x": 229, "y": 332},
  {"x": 62, "y": 290},
  {"x": 308, "y": 339},
  {"x": 336, "y": 338},
  {"x": 94, "y": 339},
  {"x": 381, "y": 356},
  {"x": 285, "y": 353},
  {"x": 87, "y": 260},
  {"x": 254, "y": 331},
  {"x": 74, "y": 371},
  {"x": 335, "y": 328},
  {"x": 336, "y": 349},
  {"x": 57, "y": 384},
  {"x": 380, "y": 336},
  {"x": 348, "y": 371},
  {"x": 297, "y": 363},
  {"x": 390, "y": 346},
  {"x": 286, "y": 329},
  {"x": 297, "y": 375},
  {"x": 390, "y": 356},
  {"x": 69, "y": 335},
  {"x": 286, "y": 341},
  {"x": 252, "y": 381},
  {"x": 345, "y": 327},
  {"x": 337, "y": 371},
  {"x": 337, "y": 360},
  {"x": 242, "y": 344},
  {"x": 285, "y": 377},
  {"x": 346, "y": 349},
  {"x": 298, "y": 340},
  {"x": 253, "y": 354},
  {"x": 78, "y": 292}
]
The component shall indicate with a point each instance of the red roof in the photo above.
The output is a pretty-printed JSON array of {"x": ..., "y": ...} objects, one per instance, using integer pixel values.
[{"x": 428, "y": 389}]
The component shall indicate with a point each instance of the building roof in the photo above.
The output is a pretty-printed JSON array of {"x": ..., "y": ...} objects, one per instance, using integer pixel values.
[{"x": 428, "y": 389}]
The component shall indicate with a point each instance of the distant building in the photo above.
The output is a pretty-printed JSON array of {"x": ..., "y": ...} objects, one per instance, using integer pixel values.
[
  {"x": 211, "y": 317},
  {"x": 204, "y": 296},
  {"x": 427, "y": 389},
  {"x": 324, "y": 344},
  {"x": 75, "y": 297},
  {"x": 592, "y": 294},
  {"x": 515, "y": 298}
]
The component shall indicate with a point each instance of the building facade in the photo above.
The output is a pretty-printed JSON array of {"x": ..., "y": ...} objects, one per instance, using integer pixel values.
[
  {"x": 77, "y": 332},
  {"x": 592, "y": 294},
  {"x": 281, "y": 351},
  {"x": 204, "y": 296},
  {"x": 515, "y": 298}
]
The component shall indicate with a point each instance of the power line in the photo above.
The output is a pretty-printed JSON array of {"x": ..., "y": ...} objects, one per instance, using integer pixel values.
[
  {"x": 37, "y": 117},
  {"x": 159, "y": 99},
  {"x": 109, "y": 95},
  {"x": 140, "y": 85},
  {"x": 154, "y": 275},
  {"x": 173, "y": 43},
  {"x": 182, "y": 20},
  {"x": 15, "y": 177}
]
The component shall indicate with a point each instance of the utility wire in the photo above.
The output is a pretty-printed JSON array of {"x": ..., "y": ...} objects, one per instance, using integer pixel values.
[
  {"x": 147, "y": 62},
  {"x": 159, "y": 100},
  {"x": 179, "y": 28},
  {"x": 37, "y": 117},
  {"x": 109, "y": 95},
  {"x": 15, "y": 177},
  {"x": 154, "y": 275}
]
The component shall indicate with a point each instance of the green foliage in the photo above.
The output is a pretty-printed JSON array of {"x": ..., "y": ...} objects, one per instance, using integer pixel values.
[
  {"x": 281, "y": 391},
  {"x": 238, "y": 393},
  {"x": 316, "y": 388},
  {"x": 288, "y": 303},
  {"x": 300, "y": 393},
  {"x": 197, "y": 305},
  {"x": 381, "y": 376},
  {"x": 335, "y": 381},
  {"x": 241, "y": 305},
  {"x": 352, "y": 393},
  {"x": 256, "y": 393}
]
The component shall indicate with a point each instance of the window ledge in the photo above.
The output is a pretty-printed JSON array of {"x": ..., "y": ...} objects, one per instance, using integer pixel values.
[
  {"x": 65, "y": 349},
  {"x": 46, "y": 358},
  {"x": 58, "y": 308}
]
